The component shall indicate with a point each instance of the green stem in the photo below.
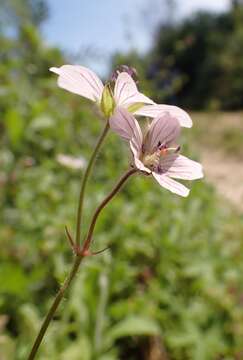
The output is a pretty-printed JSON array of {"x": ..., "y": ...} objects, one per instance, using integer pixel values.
[
  {"x": 79, "y": 257},
  {"x": 116, "y": 189},
  {"x": 54, "y": 307},
  {"x": 84, "y": 182}
]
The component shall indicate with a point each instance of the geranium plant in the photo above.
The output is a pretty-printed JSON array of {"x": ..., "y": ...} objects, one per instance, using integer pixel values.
[{"x": 155, "y": 150}]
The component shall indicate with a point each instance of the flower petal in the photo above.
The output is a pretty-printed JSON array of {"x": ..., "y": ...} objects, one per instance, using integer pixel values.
[
  {"x": 184, "y": 168},
  {"x": 164, "y": 129},
  {"x": 79, "y": 80},
  {"x": 126, "y": 126},
  {"x": 126, "y": 92},
  {"x": 155, "y": 110},
  {"x": 136, "y": 155},
  {"x": 172, "y": 185}
]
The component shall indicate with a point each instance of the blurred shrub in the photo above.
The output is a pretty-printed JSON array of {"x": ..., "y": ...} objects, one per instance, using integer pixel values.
[{"x": 196, "y": 63}]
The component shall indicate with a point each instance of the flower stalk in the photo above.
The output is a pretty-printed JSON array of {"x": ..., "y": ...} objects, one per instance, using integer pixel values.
[
  {"x": 79, "y": 255},
  {"x": 116, "y": 189},
  {"x": 54, "y": 307},
  {"x": 84, "y": 182}
]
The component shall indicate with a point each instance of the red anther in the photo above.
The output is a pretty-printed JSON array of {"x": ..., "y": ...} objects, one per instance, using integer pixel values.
[{"x": 164, "y": 151}]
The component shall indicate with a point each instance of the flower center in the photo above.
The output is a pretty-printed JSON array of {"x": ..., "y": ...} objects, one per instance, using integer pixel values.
[{"x": 153, "y": 161}]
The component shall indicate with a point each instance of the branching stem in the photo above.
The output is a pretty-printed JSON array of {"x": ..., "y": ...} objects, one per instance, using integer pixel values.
[{"x": 80, "y": 254}]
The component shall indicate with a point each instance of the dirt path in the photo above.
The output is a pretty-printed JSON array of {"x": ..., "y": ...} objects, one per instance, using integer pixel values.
[
  {"x": 220, "y": 138},
  {"x": 226, "y": 174}
]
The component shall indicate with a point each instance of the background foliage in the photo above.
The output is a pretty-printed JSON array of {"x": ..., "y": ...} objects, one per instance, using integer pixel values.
[
  {"x": 196, "y": 63},
  {"x": 171, "y": 282}
]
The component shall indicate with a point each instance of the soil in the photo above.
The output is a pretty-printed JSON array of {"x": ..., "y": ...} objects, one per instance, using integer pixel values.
[
  {"x": 226, "y": 174},
  {"x": 220, "y": 140}
]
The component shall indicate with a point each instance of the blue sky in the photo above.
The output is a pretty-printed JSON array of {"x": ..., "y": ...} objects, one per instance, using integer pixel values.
[{"x": 93, "y": 29}]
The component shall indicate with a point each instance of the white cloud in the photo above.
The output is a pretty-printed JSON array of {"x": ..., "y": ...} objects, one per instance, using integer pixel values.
[{"x": 186, "y": 7}]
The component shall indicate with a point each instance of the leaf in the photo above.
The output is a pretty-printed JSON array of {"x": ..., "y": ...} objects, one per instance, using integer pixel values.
[
  {"x": 78, "y": 350},
  {"x": 15, "y": 126},
  {"x": 13, "y": 279},
  {"x": 30, "y": 321},
  {"x": 134, "y": 326},
  {"x": 42, "y": 122}
]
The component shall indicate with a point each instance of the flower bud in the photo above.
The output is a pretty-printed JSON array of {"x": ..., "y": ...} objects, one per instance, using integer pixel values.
[{"x": 107, "y": 103}]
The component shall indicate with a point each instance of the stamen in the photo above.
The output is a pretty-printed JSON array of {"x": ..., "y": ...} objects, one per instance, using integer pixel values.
[
  {"x": 152, "y": 161},
  {"x": 159, "y": 169},
  {"x": 166, "y": 150}
]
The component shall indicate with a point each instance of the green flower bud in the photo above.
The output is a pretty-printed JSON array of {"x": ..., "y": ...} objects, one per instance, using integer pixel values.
[{"x": 107, "y": 103}]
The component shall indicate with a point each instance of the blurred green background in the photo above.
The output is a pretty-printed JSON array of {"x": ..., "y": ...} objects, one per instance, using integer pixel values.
[{"x": 170, "y": 287}]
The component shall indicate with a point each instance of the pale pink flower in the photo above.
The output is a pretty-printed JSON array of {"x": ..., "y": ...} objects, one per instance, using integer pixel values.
[
  {"x": 156, "y": 152},
  {"x": 155, "y": 110},
  {"x": 84, "y": 82}
]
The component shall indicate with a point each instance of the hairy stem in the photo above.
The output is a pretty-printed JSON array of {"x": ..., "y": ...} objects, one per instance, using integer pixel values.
[
  {"x": 84, "y": 182},
  {"x": 54, "y": 307}
]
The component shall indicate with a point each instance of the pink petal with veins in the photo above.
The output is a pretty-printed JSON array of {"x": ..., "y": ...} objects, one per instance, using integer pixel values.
[
  {"x": 184, "y": 168},
  {"x": 164, "y": 129},
  {"x": 156, "y": 110},
  {"x": 126, "y": 92},
  {"x": 79, "y": 80},
  {"x": 172, "y": 185},
  {"x": 126, "y": 126}
]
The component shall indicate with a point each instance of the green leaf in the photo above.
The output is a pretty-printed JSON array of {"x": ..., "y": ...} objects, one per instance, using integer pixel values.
[
  {"x": 15, "y": 126},
  {"x": 30, "y": 321},
  {"x": 79, "y": 350},
  {"x": 134, "y": 326},
  {"x": 42, "y": 122},
  {"x": 13, "y": 279}
]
